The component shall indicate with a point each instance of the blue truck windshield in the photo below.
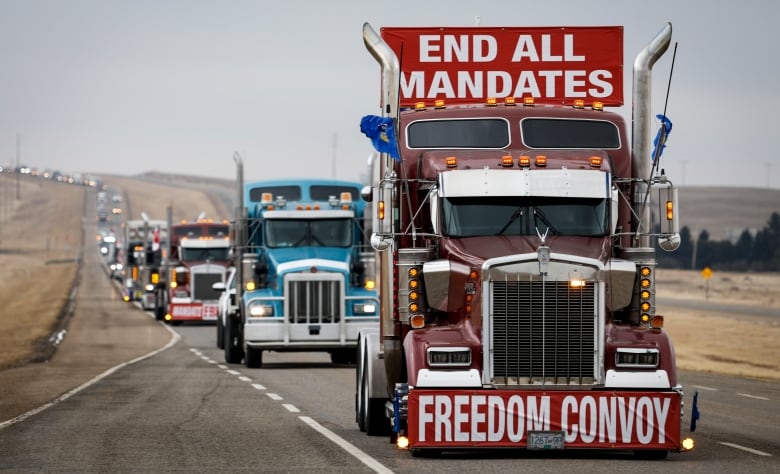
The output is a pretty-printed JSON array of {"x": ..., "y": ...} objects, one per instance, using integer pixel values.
[
  {"x": 472, "y": 217},
  {"x": 308, "y": 233}
]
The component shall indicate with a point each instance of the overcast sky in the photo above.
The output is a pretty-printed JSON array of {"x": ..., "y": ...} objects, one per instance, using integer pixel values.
[{"x": 104, "y": 86}]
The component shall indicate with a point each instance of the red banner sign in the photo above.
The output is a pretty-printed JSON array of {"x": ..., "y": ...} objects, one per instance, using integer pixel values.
[
  {"x": 551, "y": 64},
  {"x": 502, "y": 418}
]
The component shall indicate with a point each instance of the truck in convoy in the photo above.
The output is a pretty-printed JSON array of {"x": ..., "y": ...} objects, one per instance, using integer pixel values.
[
  {"x": 516, "y": 245},
  {"x": 198, "y": 258},
  {"x": 143, "y": 274},
  {"x": 302, "y": 268}
]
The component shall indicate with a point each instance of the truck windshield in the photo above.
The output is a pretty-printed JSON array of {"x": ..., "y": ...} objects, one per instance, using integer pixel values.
[
  {"x": 308, "y": 233},
  {"x": 201, "y": 254},
  {"x": 473, "y": 217}
]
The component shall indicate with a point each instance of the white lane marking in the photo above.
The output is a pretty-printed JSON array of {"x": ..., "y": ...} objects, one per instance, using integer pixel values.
[
  {"x": 361, "y": 456},
  {"x": 195, "y": 350},
  {"x": 274, "y": 396},
  {"x": 745, "y": 448},
  {"x": 258, "y": 386},
  {"x": 174, "y": 339},
  {"x": 291, "y": 408},
  {"x": 751, "y": 396},
  {"x": 233, "y": 372},
  {"x": 212, "y": 361},
  {"x": 222, "y": 366},
  {"x": 244, "y": 378},
  {"x": 701, "y": 387}
]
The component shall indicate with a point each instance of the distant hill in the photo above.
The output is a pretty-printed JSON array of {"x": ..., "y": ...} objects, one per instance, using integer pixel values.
[{"x": 725, "y": 211}]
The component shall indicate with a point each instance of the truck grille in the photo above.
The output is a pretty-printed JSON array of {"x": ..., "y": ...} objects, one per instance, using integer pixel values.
[
  {"x": 543, "y": 332},
  {"x": 201, "y": 286},
  {"x": 311, "y": 301}
]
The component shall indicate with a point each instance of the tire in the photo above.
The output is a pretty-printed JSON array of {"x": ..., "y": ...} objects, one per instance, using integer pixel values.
[
  {"x": 232, "y": 343},
  {"x": 343, "y": 356},
  {"x": 253, "y": 358},
  {"x": 360, "y": 387},
  {"x": 220, "y": 334}
]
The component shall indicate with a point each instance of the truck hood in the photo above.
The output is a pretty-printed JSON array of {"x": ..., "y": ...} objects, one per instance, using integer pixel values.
[
  {"x": 473, "y": 251},
  {"x": 285, "y": 260}
]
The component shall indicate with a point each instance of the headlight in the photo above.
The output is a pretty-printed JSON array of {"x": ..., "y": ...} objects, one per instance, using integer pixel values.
[
  {"x": 641, "y": 358},
  {"x": 449, "y": 356},
  {"x": 149, "y": 287},
  {"x": 363, "y": 308},
  {"x": 257, "y": 310}
]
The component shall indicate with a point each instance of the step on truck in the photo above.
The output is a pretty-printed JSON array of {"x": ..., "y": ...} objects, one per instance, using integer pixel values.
[
  {"x": 515, "y": 226},
  {"x": 303, "y": 270}
]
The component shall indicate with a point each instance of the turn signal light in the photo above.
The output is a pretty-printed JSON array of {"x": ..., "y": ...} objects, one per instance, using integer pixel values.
[{"x": 417, "y": 321}]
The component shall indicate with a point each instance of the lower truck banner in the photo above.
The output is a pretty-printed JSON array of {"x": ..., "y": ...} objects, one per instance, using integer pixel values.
[
  {"x": 544, "y": 419},
  {"x": 195, "y": 311}
]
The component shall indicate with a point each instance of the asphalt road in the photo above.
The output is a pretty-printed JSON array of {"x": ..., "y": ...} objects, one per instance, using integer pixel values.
[{"x": 125, "y": 393}]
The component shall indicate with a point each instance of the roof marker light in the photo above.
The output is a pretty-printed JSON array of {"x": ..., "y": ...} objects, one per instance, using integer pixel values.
[
  {"x": 438, "y": 104},
  {"x": 451, "y": 162},
  {"x": 598, "y": 105},
  {"x": 491, "y": 101},
  {"x": 524, "y": 161},
  {"x": 509, "y": 101},
  {"x": 506, "y": 161},
  {"x": 540, "y": 161},
  {"x": 595, "y": 162},
  {"x": 528, "y": 101},
  {"x": 419, "y": 106},
  {"x": 579, "y": 104}
]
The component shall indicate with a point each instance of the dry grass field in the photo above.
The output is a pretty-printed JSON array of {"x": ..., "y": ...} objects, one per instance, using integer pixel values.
[{"x": 41, "y": 234}]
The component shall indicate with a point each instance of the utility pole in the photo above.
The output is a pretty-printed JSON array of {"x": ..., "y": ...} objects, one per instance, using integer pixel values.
[
  {"x": 333, "y": 158},
  {"x": 18, "y": 146}
]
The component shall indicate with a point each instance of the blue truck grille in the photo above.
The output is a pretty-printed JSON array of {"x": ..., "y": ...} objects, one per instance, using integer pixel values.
[
  {"x": 543, "y": 332},
  {"x": 314, "y": 301}
]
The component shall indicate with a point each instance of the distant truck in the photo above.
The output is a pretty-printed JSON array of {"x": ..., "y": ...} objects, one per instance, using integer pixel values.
[
  {"x": 304, "y": 282},
  {"x": 199, "y": 258},
  {"x": 142, "y": 252},
  {"x": 512, "y": 223}
]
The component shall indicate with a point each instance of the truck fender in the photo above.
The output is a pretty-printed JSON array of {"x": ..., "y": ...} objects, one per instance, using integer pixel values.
[{"x": 370, "y": 345}]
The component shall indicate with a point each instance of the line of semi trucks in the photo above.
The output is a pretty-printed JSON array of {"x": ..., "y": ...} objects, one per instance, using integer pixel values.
[{"x": 493, "y": 280}]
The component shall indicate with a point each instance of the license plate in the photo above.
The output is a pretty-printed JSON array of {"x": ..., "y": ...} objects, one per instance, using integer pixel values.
[{"x": 545, "y": 440}]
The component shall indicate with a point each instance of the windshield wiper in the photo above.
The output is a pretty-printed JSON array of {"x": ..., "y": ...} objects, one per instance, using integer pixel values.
[
  {"x": 538, "y": 213},
  {"x": 518, "y": 212}
]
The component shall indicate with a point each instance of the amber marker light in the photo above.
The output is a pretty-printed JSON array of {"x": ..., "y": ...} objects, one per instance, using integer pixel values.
[
  {"x": 451, "y": 161},
  {"x": 419, "y": 106},
  {"x": 540, "y": 160},
  {"x": 579, "y": 104},
  {"x": 657, "y": 322},
  {"x": 509, "y": 101},
  {"x": 595, "y": 162},
  {"x": 524, "y": 161},
  {"x": 506, "y": 161},
  {"x": 491, "y": 101},
  {"x": 528, "y": 101},
  {"x": 381, "y": 210},
  {"x": 669, "y": 210},
  {"x": 417, "y": 321},
  {"x": 598, "y": 106},
  {"x": 438, "y": 104}
]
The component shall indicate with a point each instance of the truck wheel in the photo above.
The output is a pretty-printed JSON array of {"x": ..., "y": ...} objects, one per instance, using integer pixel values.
[
  {"x": 233, "y": 351},
  {"x": 360, "y": 388},
  {"x": 343, "y": 356},
  {"x": 253, "y": 358},
  {"x": 374, "y": 420},
  {"x": 220, "y": 334}
]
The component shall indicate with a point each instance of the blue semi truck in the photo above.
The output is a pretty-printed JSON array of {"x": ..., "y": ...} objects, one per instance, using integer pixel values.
[{"x": 305, "y": 270}]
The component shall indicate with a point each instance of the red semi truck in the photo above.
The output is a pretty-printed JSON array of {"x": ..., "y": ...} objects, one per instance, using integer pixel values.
[
  {"x": 515, "y": 228},
  {"x": 199, "y": 258}
]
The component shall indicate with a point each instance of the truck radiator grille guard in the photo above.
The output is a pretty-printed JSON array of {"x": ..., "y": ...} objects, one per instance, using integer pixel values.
[
  {"x": 201, "y": 286},
  {"x": 314, "y": 300},
  {"x": 543, "y": 333}
]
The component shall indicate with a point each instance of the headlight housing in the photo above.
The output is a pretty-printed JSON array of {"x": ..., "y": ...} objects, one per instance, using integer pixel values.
[
  {"x": 636, "y": 358},
  {"x": 449, "y": 356},
  {"x": 360, "y": 309},
  {"x": 256, "y": 309}
]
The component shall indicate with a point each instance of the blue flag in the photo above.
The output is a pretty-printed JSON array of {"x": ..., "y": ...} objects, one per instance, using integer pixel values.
[
  {"x": 382, "y": 134},
  {"x": 660, "y": 138},
  {"x": 695, "y": 411}
]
